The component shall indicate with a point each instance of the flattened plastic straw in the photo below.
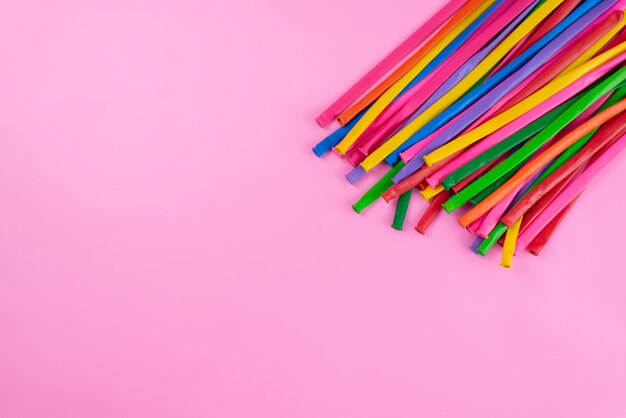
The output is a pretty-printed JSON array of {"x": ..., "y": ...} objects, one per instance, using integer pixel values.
[
  {"x": 369, "y": 79},
  {"x": 444, "y": 78},
  {"x": 542, "y": 203},
  {"x": 402, "y": 206},
  {"x": 377, "y": 189},
  {"x": 491, "y": 98},
  {"x": 371, "y": 96},
  {"x": 408, "y": 183},
  {"x": 387, "y": 97},
  {"x": 492, "y": 239},
  {"x": 477, "y": 173},
  {"x": 334, "y": 138},
  {"x": 483, "y": 88},
  {"x": 570, "y": 192},
  {"x": 609, "y": 132},
  {"x": 372, "y": 134},
  {"x": 495, "y": 150},
  {"x": 509, "y": 244},
  {"x": 448, "y": 79},
  {"x": 542, "y": 159},
  {"x": 398, "y": 139},
  {"x": 537, "y": 245},
  {"x": 433, "y": 209},
  {"x": 551, "y": 95},
  {"x": 546, "y": 26},
  {"x": 430, "y": 192},
  {"x": 553, "y": 69}
]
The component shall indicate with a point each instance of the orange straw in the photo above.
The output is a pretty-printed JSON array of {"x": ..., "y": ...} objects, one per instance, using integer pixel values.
[
  {"x": 370, "y": 97},
  {"x": 542, "y": 159}
]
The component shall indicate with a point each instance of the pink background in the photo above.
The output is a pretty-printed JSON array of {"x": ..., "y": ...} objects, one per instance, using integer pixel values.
[{"x": 170, "y": 247}]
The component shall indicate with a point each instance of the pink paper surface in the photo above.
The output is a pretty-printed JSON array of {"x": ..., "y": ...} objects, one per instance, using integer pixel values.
[{"x": 142, "y": 276}]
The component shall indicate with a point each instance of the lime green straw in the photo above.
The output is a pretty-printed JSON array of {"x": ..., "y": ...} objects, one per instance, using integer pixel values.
[
  {"x": 532, "y": 145},
  {"x": 500, "y": 148},
  {"x": 377, "y": 189},
  {"x": 499, "y": 230}
]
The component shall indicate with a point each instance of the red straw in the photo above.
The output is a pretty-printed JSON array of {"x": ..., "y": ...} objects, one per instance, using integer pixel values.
[
  {"x": 432, "y": 211},
  {"x": 390, "y": 61}
]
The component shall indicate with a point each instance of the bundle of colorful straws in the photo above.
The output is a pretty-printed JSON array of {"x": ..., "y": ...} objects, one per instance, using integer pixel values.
[{"x": 511, "y": 106}]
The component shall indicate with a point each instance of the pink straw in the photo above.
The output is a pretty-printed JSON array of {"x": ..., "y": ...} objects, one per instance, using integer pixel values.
[
  {"x": 391, "y": 60},
  {"x": 569, "y": 193},
  {"x": 539, "y": 110}
]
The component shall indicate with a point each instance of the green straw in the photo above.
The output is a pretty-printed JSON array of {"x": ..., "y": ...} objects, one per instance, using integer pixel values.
[
  {"x": 577, "y": 146},
  {"x": 377, "y": 189},
  {"x": 499, "y": 230},
  {"x": 500, "y": 148},
  {"x": 532, "y": 145},
  {"x": 401, "y": 208},
  {"x": 495, "y": 234}
]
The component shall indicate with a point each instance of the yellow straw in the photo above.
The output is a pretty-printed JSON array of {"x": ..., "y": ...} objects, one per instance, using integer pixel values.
[
  {"x": 386, "y": 98},
  {"x": 522, "y": 107},
  {"x": 593, "y": 49},
  {"x": 509, "y": 244},
  {"x": 430, "y": 192},
  {"x": 462, "y": 87}
]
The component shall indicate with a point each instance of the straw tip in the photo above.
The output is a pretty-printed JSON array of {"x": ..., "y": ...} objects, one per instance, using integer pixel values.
[
  {"x": 396, "y": 226},
  {"x": 354, "y": 175},
  {"x": 506, "y": 265},
  {"x": 358, "y": 209},
  {"x": 318, "y": 153},
  {"x": 323, "y": 121},
  {"x": 421, "y": 230},
  {"x": 389, "y": 195}
]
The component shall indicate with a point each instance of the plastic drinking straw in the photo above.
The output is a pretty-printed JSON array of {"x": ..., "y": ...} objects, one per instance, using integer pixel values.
[
  {"x": 402, "y": 206},
  {"x": 399, "y": 138},
  {"x": 544, "y": 172},
  {"x": 601, "y": 43},
  {"x": 542, "y": 203},
  {"x": 609, "y": 132},
  {"x": 430, "y": 192},
  {"x": 368, "y": 137},
  {"x": 546, "y": 26},
  {"x": 542, "y": 159},
  {"x": 570, "y": 192},
  {"x": 605, "y": 103},
  {"x": 385, "y": 99},
  {"x": 530, "y": 148},
  {"x": 509, "y": 244},
  {"x": 522, "y": 135},
  {"x": 422, "y": 186},
  {"x": 538, "y": 103},
  {"x": 553, "y": 69},
  {"x": 476, "y": 244},
  {"x": 448, "y": 80},
  {"x": 491, "y": 218},
  {"x": 334, "y": 138},
  {"x": 496, "y": 150},
  {"x": 431, "y": 212},
  {"x": 446, "y": 76},
  {"x": 538, "y": 54},
  {"x": 477, "y": 173},
  {"x": 406, "y": 66},
  {"x": 391, "y": 60},
  {"x": 492, "y": 239},
  {"x": 377, "y": 189},
  {"x": 539, "y": 242},
  {"x": 397, "y": 189},
  {"x": 490, "y": 99}
]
